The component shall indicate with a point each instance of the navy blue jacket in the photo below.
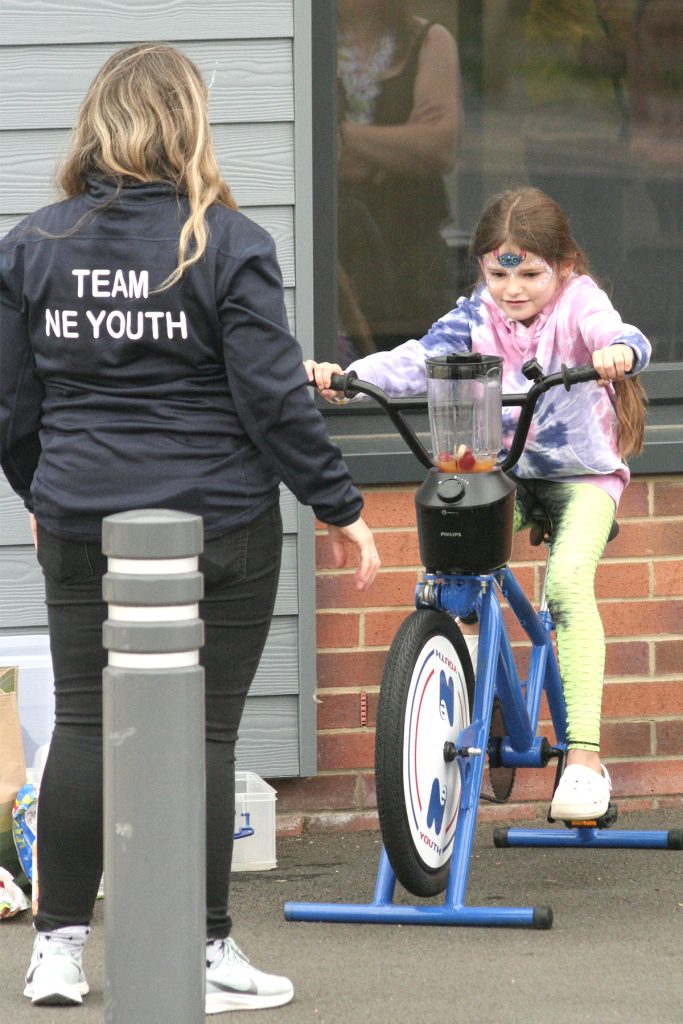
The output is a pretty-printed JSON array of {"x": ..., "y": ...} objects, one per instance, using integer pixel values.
[{"x": 115, "y": 396}]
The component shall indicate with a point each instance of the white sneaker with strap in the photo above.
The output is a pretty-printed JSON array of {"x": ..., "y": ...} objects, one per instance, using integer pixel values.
[{"x": 582, "y": 794}]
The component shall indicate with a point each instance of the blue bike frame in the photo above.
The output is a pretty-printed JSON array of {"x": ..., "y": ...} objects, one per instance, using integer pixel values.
[{"x": 496, "y": 674}]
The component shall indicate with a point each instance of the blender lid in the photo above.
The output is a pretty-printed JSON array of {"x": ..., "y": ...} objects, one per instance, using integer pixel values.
[{"x": 459, "y": 365}]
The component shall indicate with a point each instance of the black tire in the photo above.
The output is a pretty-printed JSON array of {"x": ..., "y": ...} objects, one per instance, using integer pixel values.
[{"x": 418, "y": 828}]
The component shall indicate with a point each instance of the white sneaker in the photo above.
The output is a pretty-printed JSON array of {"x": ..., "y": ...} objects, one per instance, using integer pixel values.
[
  {"x": 55, "y": 976},
  {"x": 233, "y": 984},
  {"x": 582, "y": 794}
]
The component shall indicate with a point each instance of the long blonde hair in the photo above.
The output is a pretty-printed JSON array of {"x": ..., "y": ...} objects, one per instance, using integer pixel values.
[
  {"x": 144, "y": 118},
  {"x": 535, "y": 222}
]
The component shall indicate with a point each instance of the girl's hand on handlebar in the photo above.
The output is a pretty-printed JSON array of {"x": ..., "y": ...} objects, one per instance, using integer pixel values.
[
  {"x": 613, "y": 362},
  {"x": 358, "y": 534},
  {"x": 321, "y": 373}
]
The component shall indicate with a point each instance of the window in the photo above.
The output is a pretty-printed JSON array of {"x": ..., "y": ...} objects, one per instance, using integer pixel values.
[{"x": 581, "y": 98}]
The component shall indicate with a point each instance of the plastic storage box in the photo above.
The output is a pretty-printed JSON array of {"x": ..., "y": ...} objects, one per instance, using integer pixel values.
[{"x": 254, "y": 846}]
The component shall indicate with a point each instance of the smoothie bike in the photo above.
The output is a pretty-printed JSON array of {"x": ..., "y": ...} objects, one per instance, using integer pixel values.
[{"x": 438, "y": 721}]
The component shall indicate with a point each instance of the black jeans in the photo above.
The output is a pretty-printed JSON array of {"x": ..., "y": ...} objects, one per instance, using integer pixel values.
[{"x": 241, "y": 571}]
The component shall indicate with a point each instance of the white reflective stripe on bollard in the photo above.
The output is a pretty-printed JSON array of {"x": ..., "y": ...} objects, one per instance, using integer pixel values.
[
  {"x": 181, "y": 659},
  {"x": 151, "y": 566},
  {"x": 152, "y": 613}
]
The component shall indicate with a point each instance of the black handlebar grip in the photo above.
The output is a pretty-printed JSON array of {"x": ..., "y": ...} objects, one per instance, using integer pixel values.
[
  {"x": 578, "y": 375},
  {"x": 344, "y": 382}
]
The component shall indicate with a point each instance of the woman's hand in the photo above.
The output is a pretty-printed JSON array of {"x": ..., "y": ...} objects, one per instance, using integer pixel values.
[
  {"x": 321, "y": 373},
  {"x": 351, "y": 167},
  {"x": 613, "y": 362},
  {"x": 358, "y": 534},
  {"x": 34, "y": 529}
]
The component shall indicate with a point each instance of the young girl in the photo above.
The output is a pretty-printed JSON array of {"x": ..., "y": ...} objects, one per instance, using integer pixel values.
[
  {"x": 147, "y": 363},
  {"x": 537, "y": 300}
]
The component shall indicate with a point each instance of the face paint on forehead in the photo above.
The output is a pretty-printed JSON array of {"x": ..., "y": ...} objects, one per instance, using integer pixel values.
[
  {"x": 509, "y": 259},
  {"x": 515, "y": 263}
]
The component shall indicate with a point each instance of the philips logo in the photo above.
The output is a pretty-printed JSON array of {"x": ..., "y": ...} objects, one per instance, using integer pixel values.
[{"x": 451, "y": 533}]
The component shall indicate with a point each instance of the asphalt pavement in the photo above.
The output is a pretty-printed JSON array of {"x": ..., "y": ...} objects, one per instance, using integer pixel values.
[{"x": 613, "y": 954}]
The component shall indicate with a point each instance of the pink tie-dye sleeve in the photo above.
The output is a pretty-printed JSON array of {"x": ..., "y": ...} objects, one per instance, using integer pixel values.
[{"x": 599, "y": 324}]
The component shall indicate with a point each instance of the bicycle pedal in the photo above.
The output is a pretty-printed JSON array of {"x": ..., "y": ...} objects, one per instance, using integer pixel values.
[{"x": 604, "y": 821}]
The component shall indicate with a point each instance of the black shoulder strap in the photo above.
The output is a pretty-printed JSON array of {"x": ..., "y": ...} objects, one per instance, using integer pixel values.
[{"x": 416, "y": 45}]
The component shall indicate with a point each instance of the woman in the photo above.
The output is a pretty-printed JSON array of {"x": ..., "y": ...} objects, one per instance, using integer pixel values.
[
  {"x": 147, "y": 363},
  {"x": 400, "y": 116}
]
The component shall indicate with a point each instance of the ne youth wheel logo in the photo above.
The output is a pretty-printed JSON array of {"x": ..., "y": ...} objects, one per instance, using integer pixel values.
[{"x": 437, "y": 710}]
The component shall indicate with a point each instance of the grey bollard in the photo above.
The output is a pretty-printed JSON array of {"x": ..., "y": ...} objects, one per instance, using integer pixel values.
[{"x": 154, "y": 763}]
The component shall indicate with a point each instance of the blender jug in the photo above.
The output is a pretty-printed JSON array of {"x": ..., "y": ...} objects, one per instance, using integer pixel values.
[
  {"x": 464, "y": 393},
  {"x": 465, "y": 507}
]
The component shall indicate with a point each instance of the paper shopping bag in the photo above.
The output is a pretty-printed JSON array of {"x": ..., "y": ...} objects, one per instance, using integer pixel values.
[{"x": 12, "y": 764}]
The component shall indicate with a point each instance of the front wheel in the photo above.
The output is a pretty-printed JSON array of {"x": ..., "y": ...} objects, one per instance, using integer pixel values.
[{"x": 425, "y": 701}]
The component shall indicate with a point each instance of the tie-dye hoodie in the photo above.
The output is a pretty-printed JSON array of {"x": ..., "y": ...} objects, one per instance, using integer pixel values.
[{"x": 573, "y": 434}]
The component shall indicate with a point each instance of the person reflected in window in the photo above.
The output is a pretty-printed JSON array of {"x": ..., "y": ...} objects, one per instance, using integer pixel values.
[
  {"x": 577, "y": 125},
  {"x": 399, "y": 125},
  {"x": 655, "y": 79},
  {"x": 603, "y": 135},
  {"x": 353, "y": 334}
]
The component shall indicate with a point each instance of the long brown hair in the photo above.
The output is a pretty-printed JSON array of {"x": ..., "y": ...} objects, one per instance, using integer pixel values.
[
  {"x": 144, "y": 118},
  {"x": 535, "y": 222},
  {"x": 351, "y": 316}
]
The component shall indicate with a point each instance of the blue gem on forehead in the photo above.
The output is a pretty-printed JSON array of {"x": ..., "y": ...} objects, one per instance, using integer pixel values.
[{"x": 510, "y": 259}]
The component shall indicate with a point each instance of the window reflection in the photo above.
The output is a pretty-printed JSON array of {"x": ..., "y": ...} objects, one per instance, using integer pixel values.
[
  {"x": 579, "y": 97},
  {"x": 602, "y": 135},
  {"x": 399, "y": 122}
]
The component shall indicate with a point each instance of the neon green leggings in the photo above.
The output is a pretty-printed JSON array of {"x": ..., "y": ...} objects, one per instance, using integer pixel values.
[{"x": 582, "y": 515}]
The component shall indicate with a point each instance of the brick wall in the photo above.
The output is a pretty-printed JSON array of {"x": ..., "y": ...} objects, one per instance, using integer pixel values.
[{"x": 640, "y": 592}]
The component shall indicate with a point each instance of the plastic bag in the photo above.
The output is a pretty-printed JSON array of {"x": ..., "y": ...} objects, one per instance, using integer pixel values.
[
  {"x": 24, "y": 826},
  {"x": 12, "y": 899}
]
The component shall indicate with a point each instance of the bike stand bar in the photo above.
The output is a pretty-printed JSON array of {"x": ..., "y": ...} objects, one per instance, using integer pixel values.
[
  {"x": 590, "y": 838},
  {"x": 369, "y": 913},
  {"x": 383, "y": 911}
]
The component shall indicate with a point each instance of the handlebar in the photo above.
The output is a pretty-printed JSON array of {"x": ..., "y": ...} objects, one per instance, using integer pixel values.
[
  {"x": 395, "y": 408},
  {"x": 568, "y": 376},
  {"x": 350, "y": 385}
]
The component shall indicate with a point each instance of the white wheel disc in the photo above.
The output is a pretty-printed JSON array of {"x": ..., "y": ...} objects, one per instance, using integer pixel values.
[{"x": 437, "y": 710}]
